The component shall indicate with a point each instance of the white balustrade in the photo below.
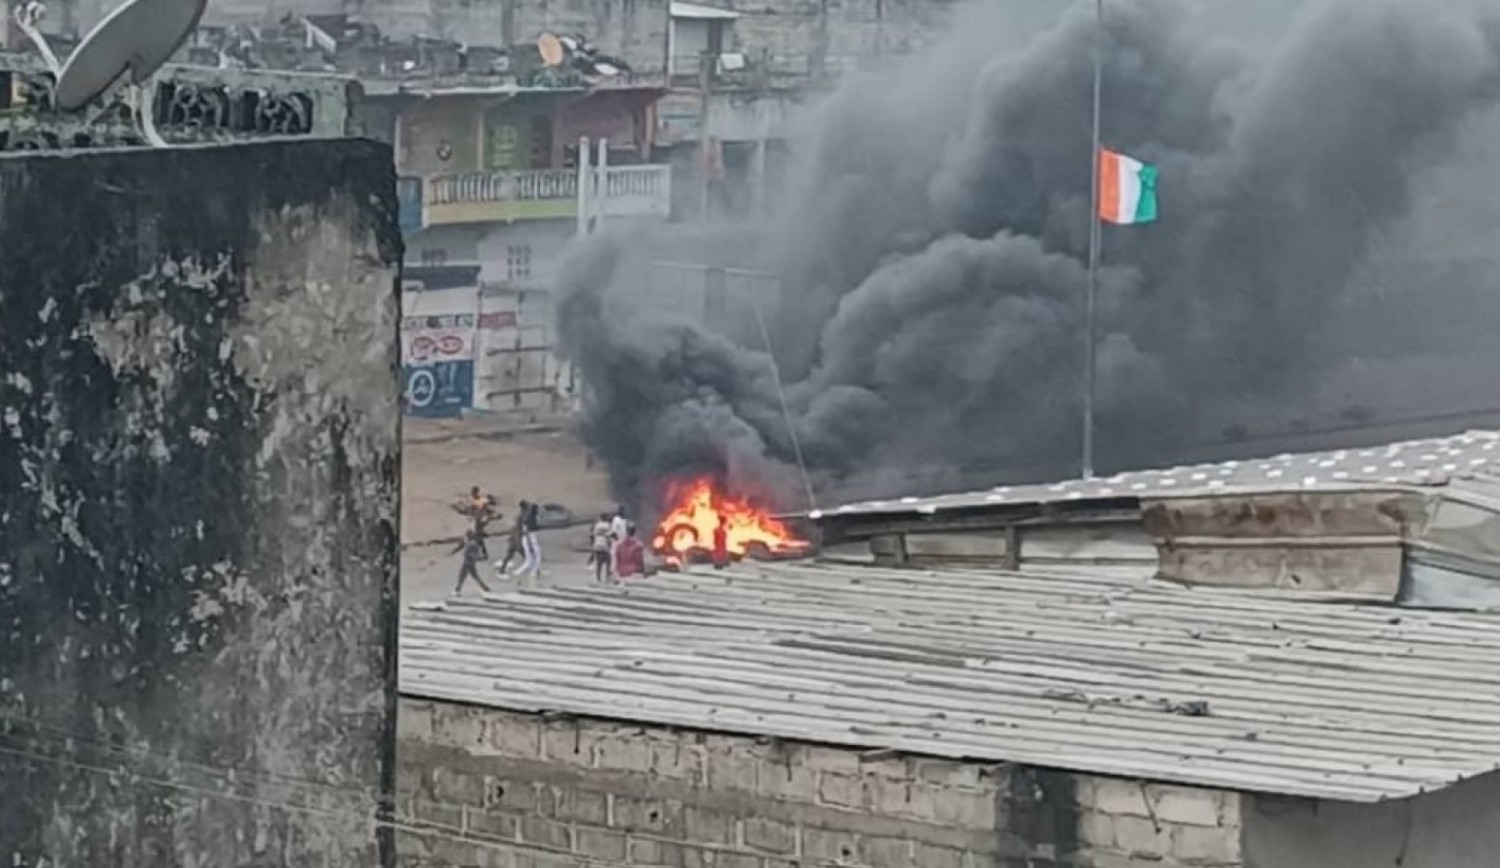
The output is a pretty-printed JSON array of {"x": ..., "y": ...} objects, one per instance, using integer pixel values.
[{"x": 627, "y": 190}]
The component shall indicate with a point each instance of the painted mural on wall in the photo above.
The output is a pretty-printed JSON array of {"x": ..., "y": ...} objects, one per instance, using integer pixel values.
[{"x": 437, "y": 362}]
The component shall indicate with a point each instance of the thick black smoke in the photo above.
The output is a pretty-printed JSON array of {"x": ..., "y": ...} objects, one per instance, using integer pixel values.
[{"x": 932, "y": 249}]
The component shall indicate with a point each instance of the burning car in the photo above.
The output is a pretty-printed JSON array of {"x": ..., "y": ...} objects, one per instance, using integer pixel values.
[{"x": 704, "y": 523}]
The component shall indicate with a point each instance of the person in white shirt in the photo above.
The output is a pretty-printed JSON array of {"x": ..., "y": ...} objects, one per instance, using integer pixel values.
[
  {"x": 618, "y": 528},
  {"x": 601, "y": 544}
]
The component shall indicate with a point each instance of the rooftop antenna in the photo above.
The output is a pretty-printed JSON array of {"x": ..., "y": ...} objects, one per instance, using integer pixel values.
[{"x": 129, "y": 45}]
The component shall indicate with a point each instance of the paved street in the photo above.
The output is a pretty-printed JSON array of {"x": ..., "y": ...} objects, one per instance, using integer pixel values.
[{"x": 512, "y": 460}]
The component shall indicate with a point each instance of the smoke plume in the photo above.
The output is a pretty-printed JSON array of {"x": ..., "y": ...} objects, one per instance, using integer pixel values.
[{"x": 932, "y": 239}]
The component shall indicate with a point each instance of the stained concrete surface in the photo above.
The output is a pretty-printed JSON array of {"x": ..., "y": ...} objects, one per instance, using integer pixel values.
[{"x": 198, "y": 532}]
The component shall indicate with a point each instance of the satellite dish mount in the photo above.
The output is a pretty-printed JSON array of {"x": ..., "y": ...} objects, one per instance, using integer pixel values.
[{"x": 127, "y": 47}]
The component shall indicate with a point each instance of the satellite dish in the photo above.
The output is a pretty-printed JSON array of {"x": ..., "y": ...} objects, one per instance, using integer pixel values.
[
  {"x": 550, "y": 47},
  {"x": 137, "y": 38}
]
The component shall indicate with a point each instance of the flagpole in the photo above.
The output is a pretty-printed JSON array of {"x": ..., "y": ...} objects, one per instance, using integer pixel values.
[{"x": 1094, "y": 233}]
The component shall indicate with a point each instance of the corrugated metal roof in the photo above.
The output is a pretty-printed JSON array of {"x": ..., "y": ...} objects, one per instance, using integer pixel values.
[
  {"x": 1409, "y": 463},
  {"x": 1091, "y": 674}
]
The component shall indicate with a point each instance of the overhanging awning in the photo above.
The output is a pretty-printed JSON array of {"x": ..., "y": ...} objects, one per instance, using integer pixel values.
[{"x": 700, "y": 12}]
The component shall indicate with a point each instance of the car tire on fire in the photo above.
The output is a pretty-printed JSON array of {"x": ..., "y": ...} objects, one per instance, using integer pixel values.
[{"x": 681, "y": 527}]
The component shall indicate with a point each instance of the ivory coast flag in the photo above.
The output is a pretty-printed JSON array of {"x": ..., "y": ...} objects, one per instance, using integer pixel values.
[{"x": 1127, "y": 189}]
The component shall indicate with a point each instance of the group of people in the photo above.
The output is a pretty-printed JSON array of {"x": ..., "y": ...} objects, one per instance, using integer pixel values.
[
  {"x": 614, "y": 551},
  {"x": 522, "y": 541}
]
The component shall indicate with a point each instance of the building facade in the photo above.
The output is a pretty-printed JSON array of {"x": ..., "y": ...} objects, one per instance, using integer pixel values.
[
  {"x": 500, "y": 180},
  {"x": 731, "y": 74}
]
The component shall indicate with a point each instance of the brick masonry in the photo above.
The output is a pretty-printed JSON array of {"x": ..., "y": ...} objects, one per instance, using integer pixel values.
[{"x": 484, "y": 787}]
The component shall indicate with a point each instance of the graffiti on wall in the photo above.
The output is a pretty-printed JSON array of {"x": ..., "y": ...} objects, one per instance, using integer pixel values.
[
  {"x": 441, "y": 359},
  {"x": 437, "y": 362}
]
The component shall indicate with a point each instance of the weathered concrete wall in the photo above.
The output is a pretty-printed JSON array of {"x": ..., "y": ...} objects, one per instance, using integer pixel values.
[
  {"x": 1129, "y": 824},
  {"x": 439, "y": 136},
  {"x": 1454, "y": 828},
  {"x": 485, "y": 787},
  {"x": 198, "y": 458}
]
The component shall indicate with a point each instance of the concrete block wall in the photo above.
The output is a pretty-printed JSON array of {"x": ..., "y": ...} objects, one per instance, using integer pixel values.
[
  {"x": 483, "y": 787},
  {"x": 1123, "y": 824}
]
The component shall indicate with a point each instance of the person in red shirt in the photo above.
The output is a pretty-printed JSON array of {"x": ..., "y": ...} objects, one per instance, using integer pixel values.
[
  {"x": 630, "y": 555},
  {"x": 721, "y": 544}
]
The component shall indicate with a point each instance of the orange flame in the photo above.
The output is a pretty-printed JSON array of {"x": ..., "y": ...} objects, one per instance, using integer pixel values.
[{"x": 698, "y": 508}]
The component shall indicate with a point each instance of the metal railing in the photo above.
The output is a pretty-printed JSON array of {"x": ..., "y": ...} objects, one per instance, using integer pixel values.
[
  {"x": 636, "y": 181},
  {"x": 619, "y": 182},
  {"x": 537, "y": 185}
]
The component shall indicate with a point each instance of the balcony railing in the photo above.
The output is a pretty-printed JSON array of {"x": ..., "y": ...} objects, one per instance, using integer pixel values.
[
  {"x": 634, "y": 181},
  {"x": 637, "y": 191},
  {"x": 483, "y": 197},
  {"x": 537, "y": 186}
]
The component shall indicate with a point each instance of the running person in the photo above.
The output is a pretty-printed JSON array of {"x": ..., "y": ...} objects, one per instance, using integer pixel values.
[{"x": 531, "y": 546}]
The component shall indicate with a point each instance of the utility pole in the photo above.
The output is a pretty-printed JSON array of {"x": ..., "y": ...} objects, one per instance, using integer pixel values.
[{"x": 1094, "y": 238}]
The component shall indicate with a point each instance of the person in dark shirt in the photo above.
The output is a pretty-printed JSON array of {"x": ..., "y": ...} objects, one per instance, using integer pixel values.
[
  {"x": 474, "y": 552},
  {"x": 514, "y": 539}
]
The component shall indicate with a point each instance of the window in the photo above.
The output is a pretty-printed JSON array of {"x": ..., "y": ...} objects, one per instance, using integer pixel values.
[
  {"x": 434, "y": 256},
  {"x": 517, "y": 262}
]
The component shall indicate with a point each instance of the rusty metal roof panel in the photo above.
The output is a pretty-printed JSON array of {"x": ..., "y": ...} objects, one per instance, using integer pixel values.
[
  {"x": 1412, "y": 463},
  {"x": 1098, "y": 674}
]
